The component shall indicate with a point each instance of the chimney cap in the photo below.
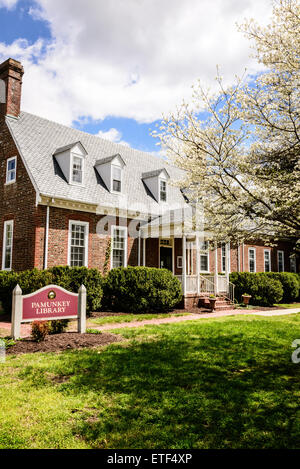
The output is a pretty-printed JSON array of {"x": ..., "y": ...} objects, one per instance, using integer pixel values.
[{"x": 12, "y": 64}]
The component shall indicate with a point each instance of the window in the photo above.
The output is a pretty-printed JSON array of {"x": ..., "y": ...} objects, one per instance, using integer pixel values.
[
  {"x": 77, "y": 169},
  {"x": 267, "y": 260},
  {"x": 78, "y": 244},
  {"x": 293, "y": 267},
  {"x": 223, "y": 257},
  {"x": 7, "y": 245},
  {"x": 163, "y": 191},
  {"x": 204, "y": 256},
  {"x": 252, "y": 260},
  {"x": 11, "y": 170},
  {"x": 116, "y": 179},
  {"x": 119, "y": 247},
  {"x": 280, "y": 261}
]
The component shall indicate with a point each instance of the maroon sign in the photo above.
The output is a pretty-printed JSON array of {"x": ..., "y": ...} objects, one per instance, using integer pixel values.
[{"x": 51, "y": 302}]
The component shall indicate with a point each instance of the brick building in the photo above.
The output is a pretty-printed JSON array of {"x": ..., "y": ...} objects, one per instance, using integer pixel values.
[{"x": 68, "y": 197}]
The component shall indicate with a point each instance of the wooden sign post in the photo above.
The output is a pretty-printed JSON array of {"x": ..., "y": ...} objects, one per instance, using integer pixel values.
[{"x": 49, "y": 303}]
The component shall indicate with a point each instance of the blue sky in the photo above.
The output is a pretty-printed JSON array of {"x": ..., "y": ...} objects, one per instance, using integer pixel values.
[{"x": 114, "y": 68}]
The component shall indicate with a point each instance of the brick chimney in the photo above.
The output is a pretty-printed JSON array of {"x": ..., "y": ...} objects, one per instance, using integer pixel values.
[{"x": 11, "y": 72}]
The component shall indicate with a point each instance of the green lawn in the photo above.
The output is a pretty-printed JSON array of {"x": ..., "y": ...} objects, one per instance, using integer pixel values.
[
  {"x": 215, "y": 383},
  {"x": 288, "y": 305},
  {"x": 131, "y": 318}
]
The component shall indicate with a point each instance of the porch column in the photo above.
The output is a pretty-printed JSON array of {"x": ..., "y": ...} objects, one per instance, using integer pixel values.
[
  {"x": 144, "y": 252},
  {"x": 198, "y": 264},
  {"x": 216, "y": 270},
  {"x": 139, "y": 249},
  {"x": 184, "y": 265},
  {"x": 227, "y": 252}
]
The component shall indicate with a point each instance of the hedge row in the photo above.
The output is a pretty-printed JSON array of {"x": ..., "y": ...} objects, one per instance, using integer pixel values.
[
  {"x": 267, "y": 288},
  {"x": 69, "y": 278},
  {"x": 141, "y": 290},
  {"x": 131, "y": 289}
]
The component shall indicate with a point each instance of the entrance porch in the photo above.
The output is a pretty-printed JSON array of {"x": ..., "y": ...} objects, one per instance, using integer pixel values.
[{"x": 185, "y": 252}]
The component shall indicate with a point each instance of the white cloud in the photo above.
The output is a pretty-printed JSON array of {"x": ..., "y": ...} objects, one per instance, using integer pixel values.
[
  {"x": 134, "y": 59},
  {"x": 9, "y": 4},
  {"x": 113, "y": 135}
]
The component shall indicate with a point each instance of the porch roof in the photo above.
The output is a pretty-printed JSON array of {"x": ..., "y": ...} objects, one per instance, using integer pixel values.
[{"x": 174, "y": 223}]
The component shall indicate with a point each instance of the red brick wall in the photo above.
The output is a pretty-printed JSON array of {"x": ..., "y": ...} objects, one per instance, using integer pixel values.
[
  {"x": 17, "y": 202},
  {"x": 58, "y": 238}
]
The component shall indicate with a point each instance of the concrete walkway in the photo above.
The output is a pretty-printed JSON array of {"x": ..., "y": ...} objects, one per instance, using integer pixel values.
[{"x": 26, "y": 328}]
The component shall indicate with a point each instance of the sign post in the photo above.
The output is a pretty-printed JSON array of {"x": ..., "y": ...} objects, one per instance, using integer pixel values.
[{"x": 49, "y": 303}]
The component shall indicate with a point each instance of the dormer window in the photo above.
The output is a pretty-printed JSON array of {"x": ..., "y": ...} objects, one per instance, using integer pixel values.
[
  {"x": 116, "y": 179},
  {"x": 77, "y": 169},
  {"x": 71, "y": 159},
  {"x": 157, "y": 183},
  {"x": 163, "y": 190},
  {"x": 111, "y": 171}
]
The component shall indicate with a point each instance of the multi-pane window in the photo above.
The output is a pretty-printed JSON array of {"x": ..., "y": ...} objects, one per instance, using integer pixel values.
[
  {"x": 7, "y": 245},
  {"x": 78, "y": 244},
  {"x": 280, "y": 261},
  {"x": 116, "y": 178},
  {"x": 77, "y": 169},
  {"x": 163, "y": 190},
  {"x": 223, "y": 256},
  {"x": 252, "y": 260},
  {"x": 267, "y": 260},
  {"x": 204, "y": 256},
  {"x": 11, "y": 170},
  {"x": 293, "y": 266},
  {"x": 119, "y": 247}
]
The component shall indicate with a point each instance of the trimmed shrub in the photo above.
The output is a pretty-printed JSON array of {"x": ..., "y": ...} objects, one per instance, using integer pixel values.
[
  {"x": 39, "y": 330},
  {"x": 58, "y": 326},
  {"x": 290, "y": 285},
  {"x": 29, "y": 281},
  {"x": 70, "y": 278},
  {"x": 141, "y": 290},
  {"x": 265, "y": 291}
]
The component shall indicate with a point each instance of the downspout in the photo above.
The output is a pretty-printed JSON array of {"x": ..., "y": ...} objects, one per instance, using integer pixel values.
[
  {"x": 46, "y": 237},
  {"x": 139, "y": 249}
]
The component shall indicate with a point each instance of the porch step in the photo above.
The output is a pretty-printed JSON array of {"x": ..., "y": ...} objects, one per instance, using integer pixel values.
[{"x": 222, "y": 304}]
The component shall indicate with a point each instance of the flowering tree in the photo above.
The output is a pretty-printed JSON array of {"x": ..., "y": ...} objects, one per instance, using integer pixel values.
[{"x": 242, "y": 159}]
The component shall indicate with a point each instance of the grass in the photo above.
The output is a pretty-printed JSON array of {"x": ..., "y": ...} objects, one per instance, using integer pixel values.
[
  {"x": 131, "y": 318},
  {"x": 288, "y": 305},
  {"x": 215, "y": 383}
]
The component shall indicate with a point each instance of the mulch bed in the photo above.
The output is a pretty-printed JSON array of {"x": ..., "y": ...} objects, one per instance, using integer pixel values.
[{"x": 64, "y": 341}]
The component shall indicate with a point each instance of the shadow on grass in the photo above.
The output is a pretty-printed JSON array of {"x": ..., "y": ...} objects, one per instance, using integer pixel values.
[{"x": 187, "y": 391}]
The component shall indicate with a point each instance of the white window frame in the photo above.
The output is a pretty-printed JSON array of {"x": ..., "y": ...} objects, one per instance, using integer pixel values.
[
  {"x": 13, "y": 158},
  {"x": 123, "y": 228},
  {"x": 254, "y": 250},
  {"x": 282, "y": 253},
  {"x": 179, "y": 262},
  {"x": 269, "y": 251},
  {"x": 112, "y": 179},
  {"x": 7, "y": 223},
  {"x": 160, "y": 180},
  {"x": 86, "y": 240},
  {"x": 293, "y": 268},
  {"x": 76, "y": 183},
  {"x": 203, "y": 252}
]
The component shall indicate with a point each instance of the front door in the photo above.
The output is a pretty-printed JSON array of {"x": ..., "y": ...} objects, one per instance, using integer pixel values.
[{"x": 166, "y": 258}]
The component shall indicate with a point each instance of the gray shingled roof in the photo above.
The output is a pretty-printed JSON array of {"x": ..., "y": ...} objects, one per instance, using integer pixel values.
[{"x": 38, "y": 139}]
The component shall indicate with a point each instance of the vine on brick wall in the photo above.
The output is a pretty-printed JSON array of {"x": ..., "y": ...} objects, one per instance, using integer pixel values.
[{"x": 107, "y": 256}]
